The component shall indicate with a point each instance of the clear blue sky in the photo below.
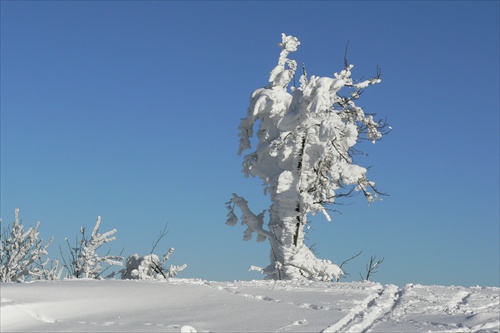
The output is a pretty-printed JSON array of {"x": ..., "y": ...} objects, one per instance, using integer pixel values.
[{"x": 129, "y": 110}]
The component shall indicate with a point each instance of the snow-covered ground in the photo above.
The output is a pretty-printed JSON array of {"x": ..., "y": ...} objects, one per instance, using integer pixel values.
[{"x": 189, "y": 305}]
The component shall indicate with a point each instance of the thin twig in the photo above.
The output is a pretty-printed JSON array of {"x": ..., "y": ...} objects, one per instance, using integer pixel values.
[
  {"x": 351, "y": 258},
  {"x": 160, "y": 237}
]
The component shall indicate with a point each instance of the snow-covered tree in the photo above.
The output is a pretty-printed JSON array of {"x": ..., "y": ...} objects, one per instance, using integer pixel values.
[
  {"x": 21, "y": 253},
  {"x": 304, "y": 155},
  {"x": 84, "y": 262}
]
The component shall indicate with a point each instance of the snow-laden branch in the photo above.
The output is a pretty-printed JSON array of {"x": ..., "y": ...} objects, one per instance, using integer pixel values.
[
  {"x": 151, "y": 267},
  {"x": 84, "y": 261},
  {"x": 280, "y": 76},
  {"x": 253, "y": 222}
]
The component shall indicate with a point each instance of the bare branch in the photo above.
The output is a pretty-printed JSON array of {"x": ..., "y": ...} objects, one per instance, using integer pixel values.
[
  {"x": 162, "y": 234},
  {"x": 351, "y": 258},
  {"x": 370, "y": 268},
  {"x": 346, "y": 63}
]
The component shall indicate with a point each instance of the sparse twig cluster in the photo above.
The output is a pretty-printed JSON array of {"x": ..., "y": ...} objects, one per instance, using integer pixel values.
[{"x": 371, "y": 267}]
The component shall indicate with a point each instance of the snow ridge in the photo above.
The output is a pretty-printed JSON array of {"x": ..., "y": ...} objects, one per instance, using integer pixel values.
[
  {"x": 8, "y": 303},
  {"x": 457, "y": 301}
]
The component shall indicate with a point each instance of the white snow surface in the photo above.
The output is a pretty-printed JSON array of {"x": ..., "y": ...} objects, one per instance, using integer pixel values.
[{"x": 192, "y": 305}]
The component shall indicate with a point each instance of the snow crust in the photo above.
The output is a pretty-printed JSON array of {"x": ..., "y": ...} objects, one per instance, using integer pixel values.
[{"x": 191, "y": 305}]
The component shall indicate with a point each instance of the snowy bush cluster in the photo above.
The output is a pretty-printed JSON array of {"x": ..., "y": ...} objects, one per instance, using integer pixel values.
[
  {"x": 23, "y": 257},
  {"x": 304, "y": 155}
]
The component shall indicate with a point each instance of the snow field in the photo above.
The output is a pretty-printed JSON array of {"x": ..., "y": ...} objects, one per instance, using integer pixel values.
[{"x": 190, "y": 305}]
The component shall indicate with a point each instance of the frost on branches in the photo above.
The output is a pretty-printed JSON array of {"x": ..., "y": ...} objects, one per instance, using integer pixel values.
[
  {"x": 150, "y": 267},
  {"x": 84, "y": 262},
  {"x": 21, "y": 253},
  {"x": 304, "y": 155}
]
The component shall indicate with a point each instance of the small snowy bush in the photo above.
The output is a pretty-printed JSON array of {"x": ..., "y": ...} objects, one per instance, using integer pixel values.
[
  {"x": 84, "y": 262},
  {"x": 150, "y": 267},
  {"x": 21, "y": 254}
]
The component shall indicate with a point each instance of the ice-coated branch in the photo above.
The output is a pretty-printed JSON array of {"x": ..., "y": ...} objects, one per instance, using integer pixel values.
[
  {"x": 253, "y": 222},
  {"x": 280, "y": 77},
  {"x": 84, "y": 261},
  {"x": 47, "y": 270},
  {"x": 268, "y": 104},
  {"x": 90, "y": 259}
]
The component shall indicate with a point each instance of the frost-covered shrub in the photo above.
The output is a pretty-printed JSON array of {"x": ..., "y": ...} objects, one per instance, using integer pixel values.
[
  {"x": 150, "y": 267},
  {"x": 84, "y": 262},
  {"x": 48, "y": 270},
  {"x": 21, "y": 254}
]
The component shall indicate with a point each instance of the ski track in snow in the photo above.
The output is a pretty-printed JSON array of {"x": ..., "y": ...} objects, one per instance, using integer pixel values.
[
  {"x": 365, "y": 314},
  {"x": 358, "y": 319}
]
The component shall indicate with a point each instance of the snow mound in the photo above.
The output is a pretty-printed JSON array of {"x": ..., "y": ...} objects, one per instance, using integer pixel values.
[{"x": 191, "y": 305}]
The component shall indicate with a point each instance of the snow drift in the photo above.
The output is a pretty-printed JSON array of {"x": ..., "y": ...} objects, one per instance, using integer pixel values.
[{"x": 190, "y": 305}]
